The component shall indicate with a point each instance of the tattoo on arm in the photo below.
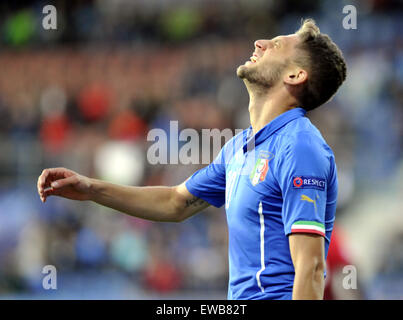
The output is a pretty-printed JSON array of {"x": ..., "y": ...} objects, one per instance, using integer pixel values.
[{"x": 194, "y": 202}]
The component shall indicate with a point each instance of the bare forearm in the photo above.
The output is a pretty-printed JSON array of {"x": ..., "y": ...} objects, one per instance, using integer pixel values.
[
  {"x": 171, "y": 204},
  {"x": 308, "y": 283},
  {"x": 151, "y": 203}
]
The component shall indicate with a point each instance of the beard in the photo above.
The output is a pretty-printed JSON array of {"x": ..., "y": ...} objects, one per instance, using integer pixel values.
[{"x": 262, "y": 76}]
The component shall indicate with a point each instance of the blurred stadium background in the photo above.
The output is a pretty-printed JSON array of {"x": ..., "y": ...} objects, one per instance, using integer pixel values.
[{"x": 85, "y": 95}]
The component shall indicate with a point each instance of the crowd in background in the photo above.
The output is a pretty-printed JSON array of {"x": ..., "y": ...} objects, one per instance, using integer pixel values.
[{"x": 86, "y": 95}]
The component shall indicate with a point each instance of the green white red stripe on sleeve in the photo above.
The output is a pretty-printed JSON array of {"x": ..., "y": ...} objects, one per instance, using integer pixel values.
[{"x": 308, "y": 227}]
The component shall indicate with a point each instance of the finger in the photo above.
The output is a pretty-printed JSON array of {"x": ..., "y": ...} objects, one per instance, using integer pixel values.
[
  {"x": 50, "y": 191},
  {"x": 52, "y": 174},
  {"x": 58, "y": 173},
  {"x": 47, "y": 193},
  {"x": 47, "y": 189},
  {"x": 42, "y": 196},
  {"x": 63, "y": 182},
  {"x": 40, "y": 187},
  {"x": 42, "y": 178}
]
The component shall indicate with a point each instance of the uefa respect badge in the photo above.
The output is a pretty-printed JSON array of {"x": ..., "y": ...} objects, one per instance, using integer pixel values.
[
  {"x": 261, "y": 167},
  {"x": 305, "y": 182}
]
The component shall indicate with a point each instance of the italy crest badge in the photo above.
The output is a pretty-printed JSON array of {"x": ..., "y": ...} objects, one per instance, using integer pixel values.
[{"x": 261, "y": 167}]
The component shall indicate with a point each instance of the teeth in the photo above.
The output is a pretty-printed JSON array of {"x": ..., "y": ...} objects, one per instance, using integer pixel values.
[{"x": 254, "y": 59}]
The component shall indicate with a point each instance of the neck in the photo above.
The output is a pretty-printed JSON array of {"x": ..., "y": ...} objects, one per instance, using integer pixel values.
[{"x": 266, "y": 105}]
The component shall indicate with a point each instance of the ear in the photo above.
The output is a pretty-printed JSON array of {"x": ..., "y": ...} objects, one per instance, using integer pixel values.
[{"x": 295, "y": 76}]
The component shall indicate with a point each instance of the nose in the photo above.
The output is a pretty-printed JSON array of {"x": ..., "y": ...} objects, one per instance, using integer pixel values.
[{"x": 260, "y": 44}]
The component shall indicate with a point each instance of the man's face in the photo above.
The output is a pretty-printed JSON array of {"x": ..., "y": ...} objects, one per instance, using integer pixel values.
[{"x": 269, "y": 60}]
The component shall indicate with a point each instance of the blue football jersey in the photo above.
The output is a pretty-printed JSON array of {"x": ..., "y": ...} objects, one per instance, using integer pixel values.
[{"x": 279, "y": 181}]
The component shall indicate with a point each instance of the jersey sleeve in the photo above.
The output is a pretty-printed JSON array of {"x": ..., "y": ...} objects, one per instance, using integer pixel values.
[
  {"x": 208, "y": 183},
  {"x": 303, "y": 177}
]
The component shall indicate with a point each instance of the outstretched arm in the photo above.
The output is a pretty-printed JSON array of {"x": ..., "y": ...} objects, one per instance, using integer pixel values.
[{"x": 151, "y": 203}]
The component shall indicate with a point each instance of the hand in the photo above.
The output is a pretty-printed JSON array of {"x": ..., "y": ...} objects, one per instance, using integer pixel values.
[{"x": 64, "y": 183}]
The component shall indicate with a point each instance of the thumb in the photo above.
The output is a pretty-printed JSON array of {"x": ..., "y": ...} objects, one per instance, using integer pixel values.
[{"x": 63, "y": 182}]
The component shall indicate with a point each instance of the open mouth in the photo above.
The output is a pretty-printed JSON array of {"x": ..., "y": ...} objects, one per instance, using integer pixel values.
[{"x": 254, "y": 59}]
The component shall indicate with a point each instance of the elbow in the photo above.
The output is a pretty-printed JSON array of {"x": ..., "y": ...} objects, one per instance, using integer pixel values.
[
  {"x": 178, "y": 218},
  {"x": 309, "y": 282},
  {"x": 177, "y": 213},
  {"x": 313, "y": 269},
  {"x": 319, "y": 265},
  {"x": 318, "y": 269},
  {"x": 318, "y": 272}
]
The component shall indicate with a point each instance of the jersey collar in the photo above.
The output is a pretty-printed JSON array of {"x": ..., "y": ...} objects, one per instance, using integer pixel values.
[{"x": 274, "y": 125}]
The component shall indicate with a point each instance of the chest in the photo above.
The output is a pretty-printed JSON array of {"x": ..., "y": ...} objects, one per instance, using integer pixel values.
[{"x": 250, "y": 179}]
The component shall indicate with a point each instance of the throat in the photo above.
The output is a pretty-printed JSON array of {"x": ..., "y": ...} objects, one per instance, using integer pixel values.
[{"x": 261, "y": 115}]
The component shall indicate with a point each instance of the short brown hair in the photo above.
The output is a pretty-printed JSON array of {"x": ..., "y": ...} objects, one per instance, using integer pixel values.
[{"x": 324, "y": 62}]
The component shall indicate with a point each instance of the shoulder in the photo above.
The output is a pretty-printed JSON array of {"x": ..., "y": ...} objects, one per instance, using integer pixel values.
[
  {"x": 303, "y": 150},
  {"x": 302, "y": 137}
]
